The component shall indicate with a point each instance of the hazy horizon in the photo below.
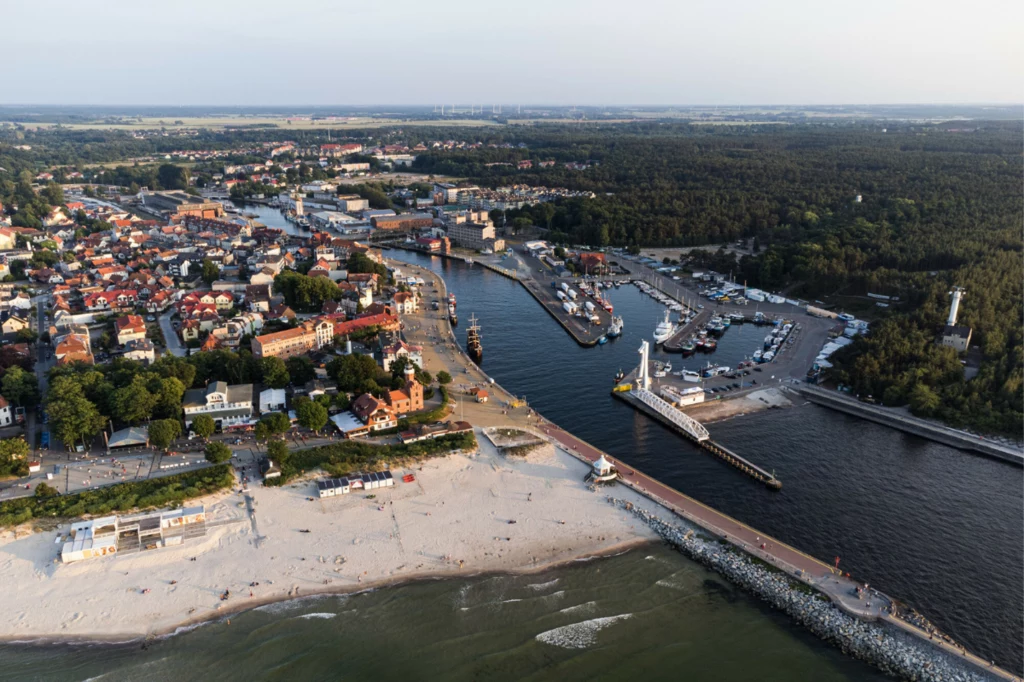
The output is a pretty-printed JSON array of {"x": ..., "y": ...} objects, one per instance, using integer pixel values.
[{"x": 599, "y": 53}]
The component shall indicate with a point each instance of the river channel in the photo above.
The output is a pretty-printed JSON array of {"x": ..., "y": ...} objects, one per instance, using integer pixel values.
[{"x": 936, "y": 527}]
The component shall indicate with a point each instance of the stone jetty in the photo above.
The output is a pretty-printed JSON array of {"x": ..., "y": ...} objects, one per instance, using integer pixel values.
[{"x": 878, "y": 643}]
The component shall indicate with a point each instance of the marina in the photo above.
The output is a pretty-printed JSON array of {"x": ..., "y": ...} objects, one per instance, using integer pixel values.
[{"x": 825, "y": 458}]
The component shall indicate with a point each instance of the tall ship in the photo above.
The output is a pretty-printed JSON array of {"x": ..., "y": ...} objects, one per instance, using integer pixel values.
[
  {"x": 473, "y": 346},
  {"x": 451, "y": 314},
  {"x": 616, "y": 327},
  {"x": 665, "y": 329}
]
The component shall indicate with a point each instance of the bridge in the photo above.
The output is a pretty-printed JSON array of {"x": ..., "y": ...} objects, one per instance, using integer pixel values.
[{"x": 691, "y": 426}]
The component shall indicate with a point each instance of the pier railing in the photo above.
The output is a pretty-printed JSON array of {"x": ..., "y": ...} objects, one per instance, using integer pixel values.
[{"x": 680, "y": 419}]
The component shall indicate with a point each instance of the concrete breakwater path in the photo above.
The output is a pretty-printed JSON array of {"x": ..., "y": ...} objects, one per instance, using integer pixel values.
[
  {"x": 441, "y": 351},
  {"x": 910, "y": 424}
]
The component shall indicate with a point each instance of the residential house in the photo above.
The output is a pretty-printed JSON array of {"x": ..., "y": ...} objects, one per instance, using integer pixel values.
[
  {"x": 227, "y": 405},
  {"x": 311, "y": 335},
  {"x": 375, "y": 414},
  {"x": 400, "y": 349},
  {"x": 140, "y": 350},
  {"x": 405, "y": 302},
  {"x": 129, "y": 328}
]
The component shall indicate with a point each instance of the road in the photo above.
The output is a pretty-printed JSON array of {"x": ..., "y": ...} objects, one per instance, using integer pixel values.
[{"x": 171, "y": 338}]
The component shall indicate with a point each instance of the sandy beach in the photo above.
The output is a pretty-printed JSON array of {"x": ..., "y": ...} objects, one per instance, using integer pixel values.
[{"x": 453, "y": 520}]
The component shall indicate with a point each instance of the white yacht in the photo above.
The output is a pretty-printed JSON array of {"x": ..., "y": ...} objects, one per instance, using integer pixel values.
[
  {"x": 665, "y": 329},
  {"x": 616, "y": 327}
]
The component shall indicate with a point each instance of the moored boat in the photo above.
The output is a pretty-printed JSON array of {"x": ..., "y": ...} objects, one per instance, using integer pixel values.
[
  {"x": 473, "y": 345},
  {"x": 615, "y": 329}
]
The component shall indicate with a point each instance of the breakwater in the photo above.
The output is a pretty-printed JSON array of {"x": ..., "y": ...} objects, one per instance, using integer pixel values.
[
  {"x": 910, "y": 424},
  {"x": 888, "y": 647}
]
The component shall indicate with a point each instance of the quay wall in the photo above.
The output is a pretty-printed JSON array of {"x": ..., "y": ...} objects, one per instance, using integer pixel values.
[
  {"x": 909, "y": 424},
  {"x": 562, "y": 318}
]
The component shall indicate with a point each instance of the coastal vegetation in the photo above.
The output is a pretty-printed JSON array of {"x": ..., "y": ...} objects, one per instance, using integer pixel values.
[
  {"x": 340, "y": 459},
  {"x": 121, "y": 497}
]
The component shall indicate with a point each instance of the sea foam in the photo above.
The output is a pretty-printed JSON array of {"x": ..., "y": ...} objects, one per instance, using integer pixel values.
[{"x": 579, "y": 635}]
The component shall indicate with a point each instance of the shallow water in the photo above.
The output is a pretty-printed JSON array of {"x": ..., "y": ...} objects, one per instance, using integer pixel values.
[{"x": 648, "y": 612}]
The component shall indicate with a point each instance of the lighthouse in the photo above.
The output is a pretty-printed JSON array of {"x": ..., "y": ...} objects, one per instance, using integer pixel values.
[
  {"x": 957, "y": 338},
  {"x": 954, "y": 306}
]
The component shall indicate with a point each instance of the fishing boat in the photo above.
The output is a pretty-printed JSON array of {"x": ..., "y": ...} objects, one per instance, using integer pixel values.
[
  {"x": 665, "y": 329},
  {"x": 615, "y": 330},
  {"x": 473, "y": 346},
  {"x": 603, "y": 340},
  {"x": 451, "y": 314},
  {"x": 710, "y": 345},
  {"x": 689, "y": 347},
  {"x": 451, "y": 301},
  {"x": 619, "y": 376}
]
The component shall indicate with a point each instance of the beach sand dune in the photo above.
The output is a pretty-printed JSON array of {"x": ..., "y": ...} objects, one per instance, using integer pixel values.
[{"x": 452, "y": 520}]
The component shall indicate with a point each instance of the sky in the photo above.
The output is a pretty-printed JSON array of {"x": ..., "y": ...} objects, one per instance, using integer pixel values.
[{"x": 582, "y": 52}]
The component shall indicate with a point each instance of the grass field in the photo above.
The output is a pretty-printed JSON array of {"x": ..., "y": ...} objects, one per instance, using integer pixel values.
[{"x": 216, "y": 122}]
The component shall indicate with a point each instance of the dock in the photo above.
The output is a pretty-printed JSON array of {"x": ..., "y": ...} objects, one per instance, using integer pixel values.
[
  {"x": 640, "y": 396},
  {"x": 675, "y": 343},
  {"x": 584, "y": 333},
  {"x": 720, "y": 451}
]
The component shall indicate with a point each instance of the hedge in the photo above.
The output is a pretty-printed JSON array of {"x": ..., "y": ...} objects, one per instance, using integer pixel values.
[
  {"x": 154, "y": 492},
  {"x": 340, "y": 459}
]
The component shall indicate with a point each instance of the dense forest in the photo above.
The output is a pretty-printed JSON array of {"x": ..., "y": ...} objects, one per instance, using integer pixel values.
[{"x": 940, "y": 206}]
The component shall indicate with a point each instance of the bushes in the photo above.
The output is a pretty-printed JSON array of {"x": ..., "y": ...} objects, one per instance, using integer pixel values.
[
  {"x": 156, "y": 492},
  {"x": 339, "y": 459}
]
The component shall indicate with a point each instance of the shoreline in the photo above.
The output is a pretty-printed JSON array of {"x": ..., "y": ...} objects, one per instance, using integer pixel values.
[
  {"x": 186, "y": 626},
  {"x": 290, "y": 544}
]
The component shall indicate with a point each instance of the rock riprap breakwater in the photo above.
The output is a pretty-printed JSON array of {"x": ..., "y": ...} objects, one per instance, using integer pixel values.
[{"x": 894, "y": 652}]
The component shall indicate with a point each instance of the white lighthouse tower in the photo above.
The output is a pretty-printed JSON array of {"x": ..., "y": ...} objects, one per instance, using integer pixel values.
[{"x": 954, "y": 306}]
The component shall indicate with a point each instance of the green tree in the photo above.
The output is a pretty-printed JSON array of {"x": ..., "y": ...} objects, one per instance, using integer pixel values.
[
  {"x": 275, "y": 372},
  {"x": 134, "y": 403},
  {"x": 216, "y": 452},
  {"x": 300, "y": 369},
  {"x": 14, "y": 457},
  {"x": 204, "y": 426},
  {"x": 169, "y": 392},
  {"x": 20, "y": 387},
  {"x": 74, "y": 419},
  {"x": 277, "y": 451},
  {"x": 311, "y": 414},
  {"x": 276, "y": 423},
  {"x": 211, "y": 273},
  {"x": 173, "y": 177},
  {"x": 44, "y": 490},
  {"x": 261, "y": 432},
  {"x": 924, "y": 401},
  {"x": 444, "y": 378},
  {"x": 162, "y": 432}
]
